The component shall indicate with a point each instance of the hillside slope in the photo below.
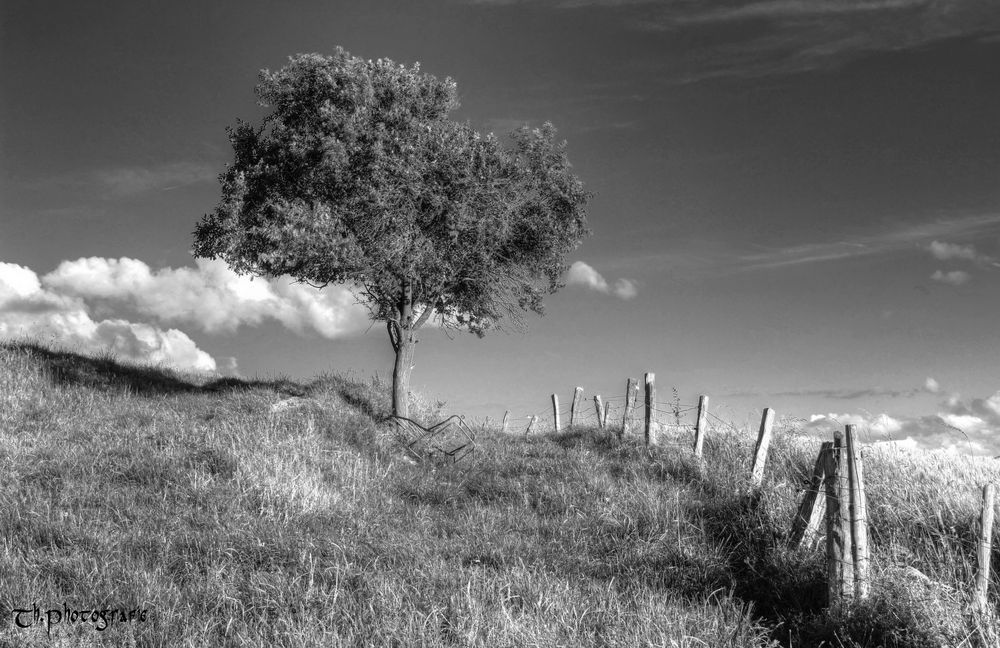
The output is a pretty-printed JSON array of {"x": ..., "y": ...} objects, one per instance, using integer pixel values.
[{"x": 232, "y": 522}]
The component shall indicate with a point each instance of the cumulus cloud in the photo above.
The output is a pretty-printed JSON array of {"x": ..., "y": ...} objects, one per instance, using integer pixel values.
[
  {"x": 964, "y": 426},
  {"x": 625, "y": 288},
  {"x": 209, "y": 297},
  {"x": 932, "y": 385},
  {"x": 944, "y": 251},
  {"x": 582, "y": 274},
  {"x": 882, "y": 424},
  {"x": 953, "y": 277},
  {"x": 29, "y": 310}
]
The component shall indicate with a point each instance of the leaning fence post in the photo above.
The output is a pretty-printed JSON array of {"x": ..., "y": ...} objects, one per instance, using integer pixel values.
[
  {"x": 650, "y": 402},
  {"x": 807, "y": 518},
  {"x": 503, "y": 426},
  {"x": 555, "y": 412},
  {"x": 859, "y": 515},
  {"x": 629, "y": 404},
  {"x": 985, "y": 546},
  {"x": 699, "y": 430},
  {"x": 597, "y": 407},
  {"x": 604, "y": 415},
  {"x": 531, "y": 424},
  {"x": 574, "y": 408},
  {"x": 840, "y": 570},
  {"x": 763, "y": 442}
]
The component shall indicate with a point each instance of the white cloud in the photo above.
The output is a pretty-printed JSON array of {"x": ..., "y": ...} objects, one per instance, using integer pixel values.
[
  {"x": 882, "y": 424},
  {"x": 964, "y": 422},
  {"x": 26, "y": 309},
  {"x": 581, "y": 274},
  {"x": 959, "y": 425},
  {"x": 992, "y": 404},
  {"x": 626, "y": 289},
  {"x": 17, "y": 282},
  {"x": 209, "y": 296},
  {"x": 944, "y": 251},
  {"x": 953, "y": 277}
]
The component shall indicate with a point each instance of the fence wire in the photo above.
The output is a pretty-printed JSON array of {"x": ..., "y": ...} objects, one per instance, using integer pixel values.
[{"x": 673, "y": 417}]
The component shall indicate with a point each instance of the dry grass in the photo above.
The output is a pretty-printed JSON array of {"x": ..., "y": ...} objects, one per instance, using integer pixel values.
[{"x": 130, "y": 487}]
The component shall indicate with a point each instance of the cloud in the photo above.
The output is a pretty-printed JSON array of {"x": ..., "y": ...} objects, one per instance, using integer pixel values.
[
  {"x": 932, "y": 385},
  {"x": 904, "y": 238},
  {"x": 849, "y": 394},
  {"x": 130, "y": 181},
  {"x": 210, "y": 296},
  {"x": 882, "y": 424},
  {"x": 965, "y": 426},
  {"x": 28, "y": 310},
  {"x": 581, "y": 274},
  {"x": 790, "y": 36},
  {"x": 753, "y": 38},
  {"x": 986, "y": 410},
  {"x": 944, "y": 251},
  {"x": 625, "y": 288},
  {"x": 953, "y": 277},
  {"x": 781, "y": 9}
]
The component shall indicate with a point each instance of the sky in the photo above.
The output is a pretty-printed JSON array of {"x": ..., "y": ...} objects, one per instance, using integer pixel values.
[{"x": 796, "y": 203}]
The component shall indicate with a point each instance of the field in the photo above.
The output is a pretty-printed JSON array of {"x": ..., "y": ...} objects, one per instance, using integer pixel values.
[{"x": 219, "y": 520}]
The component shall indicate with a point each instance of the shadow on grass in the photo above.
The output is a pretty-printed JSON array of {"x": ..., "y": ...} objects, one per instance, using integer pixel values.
[
  {"x": 745, "y": 548},
  {"x": 361, "y": 398},
  {"x": 103, "y": 373},
  {"x": 781, "y": 584}
]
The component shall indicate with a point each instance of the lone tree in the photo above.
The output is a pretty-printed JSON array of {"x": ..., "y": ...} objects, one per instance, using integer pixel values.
[{"x": 358, "y": 176}]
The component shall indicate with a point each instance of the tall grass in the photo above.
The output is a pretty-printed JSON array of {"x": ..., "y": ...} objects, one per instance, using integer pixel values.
[{"x": 237, "y": 525}]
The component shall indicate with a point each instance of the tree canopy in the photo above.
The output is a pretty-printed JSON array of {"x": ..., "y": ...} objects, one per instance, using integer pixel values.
[{"x": 359, "y": 176}]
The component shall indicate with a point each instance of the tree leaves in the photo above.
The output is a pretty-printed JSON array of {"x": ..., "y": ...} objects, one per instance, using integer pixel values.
[{"x": 359, "y": 176}]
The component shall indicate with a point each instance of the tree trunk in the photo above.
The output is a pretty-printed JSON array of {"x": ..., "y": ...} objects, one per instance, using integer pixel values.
[
  {"x": 401, "y": 374},
  {"x": 401, "y": 335}
]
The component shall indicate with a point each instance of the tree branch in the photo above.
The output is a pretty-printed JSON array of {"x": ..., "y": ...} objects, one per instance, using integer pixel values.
[
  {"x": 428, "y": 309},
  {"x": 395, "y": 334},
  {"x": 309, "y": 283}
]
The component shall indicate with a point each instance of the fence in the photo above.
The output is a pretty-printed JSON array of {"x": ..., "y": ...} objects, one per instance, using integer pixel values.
[{"x": 836, "y": 484}]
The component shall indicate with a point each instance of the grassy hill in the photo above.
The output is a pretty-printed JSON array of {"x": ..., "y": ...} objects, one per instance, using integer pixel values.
[{"x": 235, "y": 523}]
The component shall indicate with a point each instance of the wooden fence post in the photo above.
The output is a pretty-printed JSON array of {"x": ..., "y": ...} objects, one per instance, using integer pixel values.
[
  {"x": 839, "y": 567},
  {"x": 650, "y": 403},
  {"x": 702, "y": 425},
  {"x": 574, "y": 408},
  {"x": 859, "y": 514},
  {"x": 604, "y": 415},
  {"x": 555, "y": 412},
  {"x": 763, "y": 443},
  {"x": 503, "y": 426},
  {"x": 807, "y": 518},
  {"x": 629, "y": 404},
  {"x": 985, "y": 546},
  {"x": 531, "y": 424},
  {"x": 598, "y": 409}
]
